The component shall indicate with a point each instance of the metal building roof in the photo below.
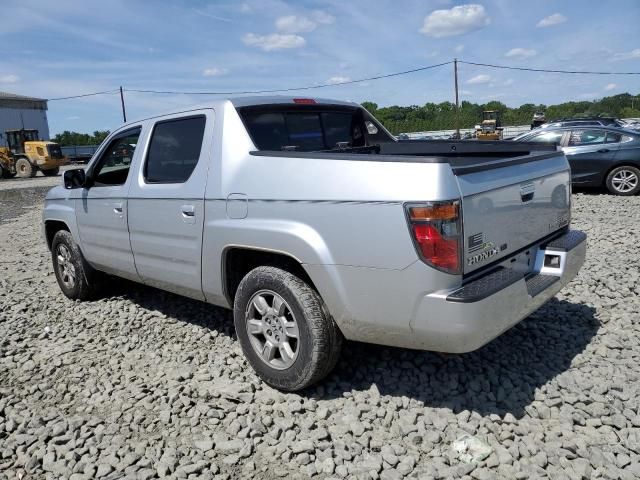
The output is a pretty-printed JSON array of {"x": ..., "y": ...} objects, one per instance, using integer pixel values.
[{"x": 13, "y": 100}]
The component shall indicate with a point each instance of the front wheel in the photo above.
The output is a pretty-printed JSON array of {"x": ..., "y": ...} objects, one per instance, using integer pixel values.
[
  {"x": 624, "y": 180},
  {"x": 52, "y": 172},
  {"x": 70, "y": 267},
  {"x": 284, "y": 329}
]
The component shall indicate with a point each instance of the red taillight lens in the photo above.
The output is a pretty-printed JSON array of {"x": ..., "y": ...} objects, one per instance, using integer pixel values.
[
  {"x": 437, "y": 234},
  {"x": 304, "y": 101}
]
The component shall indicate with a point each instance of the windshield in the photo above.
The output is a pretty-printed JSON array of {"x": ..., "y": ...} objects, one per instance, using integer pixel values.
[{"x": 54, "y": 151}]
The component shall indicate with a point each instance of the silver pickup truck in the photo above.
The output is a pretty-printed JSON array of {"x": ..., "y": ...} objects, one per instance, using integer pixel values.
[{"x": 314, "y": 224}]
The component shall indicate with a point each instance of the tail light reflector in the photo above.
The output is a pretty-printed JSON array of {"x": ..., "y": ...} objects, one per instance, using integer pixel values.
[{"x": 437, "y": 234}]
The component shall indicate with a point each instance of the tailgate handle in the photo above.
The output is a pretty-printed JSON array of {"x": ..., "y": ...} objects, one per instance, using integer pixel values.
[{"x": 527, "y": 192}]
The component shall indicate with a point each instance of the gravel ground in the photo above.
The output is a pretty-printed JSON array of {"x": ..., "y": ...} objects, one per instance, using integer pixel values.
[{"x": 144, "y": 384}]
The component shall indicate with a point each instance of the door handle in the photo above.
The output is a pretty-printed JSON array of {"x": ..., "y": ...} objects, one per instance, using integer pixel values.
[
  {"x": 117, "y": 208},
  {"x": 603, "y": 150},
  {"x": 188, "y": 213}
]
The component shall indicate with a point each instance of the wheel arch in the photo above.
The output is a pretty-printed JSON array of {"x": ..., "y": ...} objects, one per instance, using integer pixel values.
[
  {"x": 238, "y": 260},
  {"x": 51, "y": 227}
]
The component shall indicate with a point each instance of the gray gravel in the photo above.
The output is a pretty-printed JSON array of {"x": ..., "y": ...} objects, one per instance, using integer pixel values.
[{"x": 144, "y": 384}]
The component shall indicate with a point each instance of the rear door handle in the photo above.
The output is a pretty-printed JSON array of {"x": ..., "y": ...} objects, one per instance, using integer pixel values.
[
  {"x": 189, "y": 213},
  {"x": 604, "y": 150},
  {"x": 118, "y": 209}
]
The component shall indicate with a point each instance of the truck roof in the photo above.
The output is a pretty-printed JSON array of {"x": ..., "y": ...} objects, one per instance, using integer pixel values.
[{"x": 250, "y": 101}]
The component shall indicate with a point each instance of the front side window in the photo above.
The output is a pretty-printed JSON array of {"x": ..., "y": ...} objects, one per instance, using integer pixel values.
[
  {"x": 586, "y": 137},
  {"x": 174, "y": 150},
  {"x": 113, "y": 165},
  {"x": 547, "y": 137}
]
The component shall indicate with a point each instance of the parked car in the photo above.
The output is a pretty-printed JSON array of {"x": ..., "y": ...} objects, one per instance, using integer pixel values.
[
  {"x": 599, "y": 156},
  {"x": 584, "y": 122},
  {"x": 314, "y": 224}
]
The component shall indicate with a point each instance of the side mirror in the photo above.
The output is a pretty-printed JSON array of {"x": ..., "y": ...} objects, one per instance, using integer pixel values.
[{"x": 75, "y": 178}]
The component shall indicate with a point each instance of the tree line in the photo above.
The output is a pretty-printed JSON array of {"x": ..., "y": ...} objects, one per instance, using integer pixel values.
[
  {"x": 442, "y": 116},
  {"x": 74, "y": 138}
]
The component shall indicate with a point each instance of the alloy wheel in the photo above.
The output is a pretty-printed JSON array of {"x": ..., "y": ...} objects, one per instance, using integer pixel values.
[
  {"x": 272, "y": 329},
  {"x": 624, "y": 181},
  {"x": 66, "y": 269}
]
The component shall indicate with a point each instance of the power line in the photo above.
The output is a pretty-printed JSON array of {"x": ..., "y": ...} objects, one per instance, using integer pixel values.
[
  {"x": 583, "y": 72},
  {"x": 83, "y": 95},
  {"x": 308, "y": 87}
]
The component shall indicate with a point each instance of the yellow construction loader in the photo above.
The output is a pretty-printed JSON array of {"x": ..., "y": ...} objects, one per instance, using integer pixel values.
[
  {"x": 490, "y": 128},
  {"x": 25, "y": 154}
]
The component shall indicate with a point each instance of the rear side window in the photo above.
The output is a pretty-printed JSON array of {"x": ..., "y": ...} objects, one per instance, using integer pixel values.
[
  {"x": 174, "y": 150},
  {"x": 547, "y": 137},
  {"x": 586, "y": 137},
  {"x": 614, "y": 137}
]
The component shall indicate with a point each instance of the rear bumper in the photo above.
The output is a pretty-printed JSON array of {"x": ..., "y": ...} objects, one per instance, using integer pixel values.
[{"x": 464, "y": 319}]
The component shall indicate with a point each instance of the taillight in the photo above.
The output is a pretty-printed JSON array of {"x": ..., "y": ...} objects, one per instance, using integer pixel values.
[{"x": 437, "y": 234}]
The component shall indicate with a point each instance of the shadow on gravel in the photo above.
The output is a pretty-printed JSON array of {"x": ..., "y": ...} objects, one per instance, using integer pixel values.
[{"x": 501, "y": 377}]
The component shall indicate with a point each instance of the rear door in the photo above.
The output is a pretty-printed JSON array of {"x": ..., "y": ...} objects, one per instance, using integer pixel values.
[
  {"x": 166, "y": 203},
  {"x": 590, "y": 151}
]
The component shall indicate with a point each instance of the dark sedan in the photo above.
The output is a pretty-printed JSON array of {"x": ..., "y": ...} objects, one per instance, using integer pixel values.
[{"x": 599, "y": 156}]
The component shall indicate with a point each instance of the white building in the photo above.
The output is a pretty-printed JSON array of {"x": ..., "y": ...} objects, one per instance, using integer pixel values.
[{"x": 17, "y": 111}]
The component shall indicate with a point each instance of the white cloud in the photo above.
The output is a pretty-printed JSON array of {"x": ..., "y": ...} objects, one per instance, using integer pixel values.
[
  {"x": 459, "y": 49},
  {"x": 479, "y": 79},
  {"x": 245, "y": 8},
  {"x": 610, "y": 86},
  {"x": 455, "y": 21},
  {"x": 554, "y": 19},
  {"x": 295, "y": 24},
  {"x": 323, "y": 17},
  {"x": 338, "y": 79},
  {"x": 214, "y": 72},
  {"x": 635, "y": 53},
  {"x": 508, "y": 82},
  {"x": 521, "y": 53},
  {"x": 9, "y": 78},
  {"x": 274, "y": 41},
  {"x": 303, "y": 24}
]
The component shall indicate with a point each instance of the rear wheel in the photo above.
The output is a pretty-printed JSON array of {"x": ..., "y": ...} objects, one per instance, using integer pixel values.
[
  {"x": 25, "y": 169},
  {"x": 624, "y": 180},
  {"x": 284, "y": 329},
  {"x": 51, "y": 172}
]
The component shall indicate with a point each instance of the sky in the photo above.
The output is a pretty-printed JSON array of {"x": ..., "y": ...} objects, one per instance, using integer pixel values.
[{"x": 71, "y": 47}]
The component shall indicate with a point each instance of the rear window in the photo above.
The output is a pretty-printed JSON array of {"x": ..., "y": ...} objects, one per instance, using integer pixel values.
[
  {"x": 174, "y": 150},
  {"x": 304, "y": 130}
]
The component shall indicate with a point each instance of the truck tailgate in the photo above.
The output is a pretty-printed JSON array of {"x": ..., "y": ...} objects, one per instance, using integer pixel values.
[{"x": 510, "y": 204}]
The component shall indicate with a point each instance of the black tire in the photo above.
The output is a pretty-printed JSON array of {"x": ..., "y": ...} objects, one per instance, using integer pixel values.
[
  {"x": 7, "y": 174},
  {"x": 617, "y": 187},
  {"x": 319, "y": 340},
  {"x": 25, "y": 169},
  {"x": 52, "y": 172},
  {"x": 80, "y": 288}
]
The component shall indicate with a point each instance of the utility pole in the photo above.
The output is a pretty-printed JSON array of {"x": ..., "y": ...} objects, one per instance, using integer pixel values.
[
  {"x": 124, "y": 113},
  {"x": 455, "y": 75}
]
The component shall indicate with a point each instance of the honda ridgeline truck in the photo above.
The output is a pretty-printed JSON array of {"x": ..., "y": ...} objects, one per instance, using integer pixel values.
[{"x": 314, "y": 224}]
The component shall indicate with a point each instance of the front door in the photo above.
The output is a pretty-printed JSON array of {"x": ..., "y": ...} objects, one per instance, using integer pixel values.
[
  {"x": 166, "y": 203},
  {"x": 101, "y": 212}
]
